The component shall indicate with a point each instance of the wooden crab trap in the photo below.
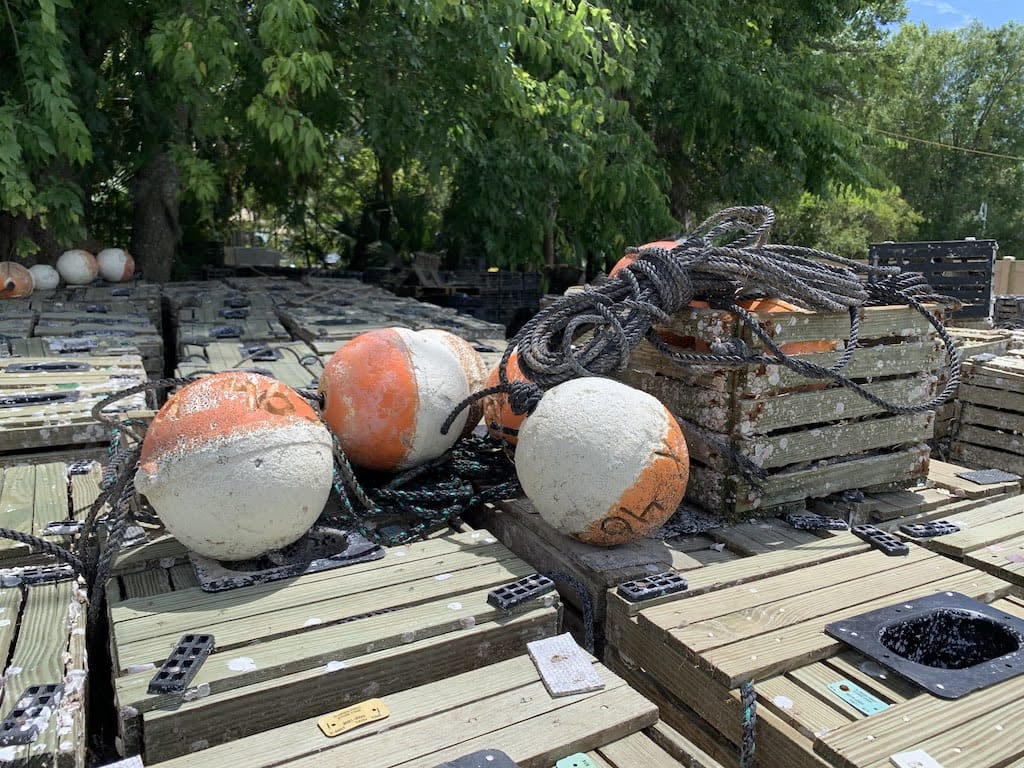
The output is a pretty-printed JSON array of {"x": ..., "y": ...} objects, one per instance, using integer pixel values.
[
  {"x": 936, "y": 681},
  {"x": 812, "y": 437}
]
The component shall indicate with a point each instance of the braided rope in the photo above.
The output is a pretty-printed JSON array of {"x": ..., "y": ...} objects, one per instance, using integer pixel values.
[{"x": 748, "y": 703}]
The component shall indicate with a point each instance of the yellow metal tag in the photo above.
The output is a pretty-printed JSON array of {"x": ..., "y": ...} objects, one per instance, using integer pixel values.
[{"x": 352, "y": 717}]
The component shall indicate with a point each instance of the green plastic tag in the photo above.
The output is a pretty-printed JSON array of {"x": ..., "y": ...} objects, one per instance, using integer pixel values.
[
  {"x": 857, "y": 697},
  {"x": 579, "y": 760}
]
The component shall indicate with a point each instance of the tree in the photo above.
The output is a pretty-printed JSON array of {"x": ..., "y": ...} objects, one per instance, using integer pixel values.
[
  {"x": 951, "y": 128},
  {"x": 743, "y": 105}
]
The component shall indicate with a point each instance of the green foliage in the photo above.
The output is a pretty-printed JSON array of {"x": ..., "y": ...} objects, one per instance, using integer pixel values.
[
  {"x": 846, "y": 221},
  {"x": 951, "y": 130}
]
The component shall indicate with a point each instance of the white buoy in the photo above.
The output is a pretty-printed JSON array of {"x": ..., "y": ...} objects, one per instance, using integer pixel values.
[
  {"x": 77, "y": 267},
  {"x": 115, "y": 265},
  {"x": 472, "y": 365},
  {"x": 235, "y": 465},
  {"x": 601, "y": 461},
  {"x": 387, "y": 393},
  {"x": 45, "y": 277}
]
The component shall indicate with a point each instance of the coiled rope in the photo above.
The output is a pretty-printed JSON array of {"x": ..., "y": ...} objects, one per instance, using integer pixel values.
[{"x": 724, "y": 260}]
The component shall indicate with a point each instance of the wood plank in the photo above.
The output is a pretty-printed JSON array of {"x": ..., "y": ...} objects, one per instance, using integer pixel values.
[
  {"x": 253, "y": 709},
  {"x": 17, "y": 499}
]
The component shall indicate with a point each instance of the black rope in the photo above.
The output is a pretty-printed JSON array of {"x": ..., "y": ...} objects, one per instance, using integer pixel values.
[
  {"x": 724, "y": 260},
  {"x": 748, "y": 704}
]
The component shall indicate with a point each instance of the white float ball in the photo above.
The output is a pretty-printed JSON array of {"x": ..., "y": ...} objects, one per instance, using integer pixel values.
[
  {"x": 77, "y": 267},
  {"x": 45, "y": 277},
  {"x": 387, "y": 394},
  {"x": 472, "y": 365},
  {"x": 601, "y": 461},
  {"x": 115, "y": 265},
  {"x": 236, "y": 464}
]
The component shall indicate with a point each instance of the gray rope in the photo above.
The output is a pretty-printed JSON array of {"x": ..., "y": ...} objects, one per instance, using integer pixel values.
[{"x": 748, "y": 703}]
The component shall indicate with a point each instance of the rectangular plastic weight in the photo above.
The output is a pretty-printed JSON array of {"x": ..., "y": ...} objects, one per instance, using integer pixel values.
[
  {"x": 880, "y": 540},
  {"x": 181, "y": 666},
  {"x": 484, "y": 758},
  {"x": 652, "y": 586},
  {"x": 809, "y": 522},
  {"x": 508, "y": 596},
  {"x": 926, "y": 530},
  {"x": 22, "y": 725}
]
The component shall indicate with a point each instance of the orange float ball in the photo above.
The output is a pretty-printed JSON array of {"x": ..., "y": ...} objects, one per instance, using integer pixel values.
[
  {"x": 629, "y": 258},
  {"x": 388, "y": 392},
  {"x": 15, "y": 280},
  {"x": 501, "y": 422},
  {"x": 236, "y": 464}
]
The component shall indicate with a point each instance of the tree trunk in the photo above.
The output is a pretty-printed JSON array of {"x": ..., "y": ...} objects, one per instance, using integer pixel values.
[
  {"x": 155, "y": 230},
  {"x": 387, "y": 194}
]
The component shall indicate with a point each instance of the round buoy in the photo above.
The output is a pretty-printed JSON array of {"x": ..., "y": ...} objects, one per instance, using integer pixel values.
[
  {"x": 77, "y": 267},
  {"x": 236, "y": 464},
  {"x": 387, "y": 394},
  {"x": 45, "y": 277},
  {"x": 629, "y": 258},
  {"x": 472, "y": 365},
  {"x": 501, "y": 421},
  {"x": 115, "y": 265},
  {"x": 16, "y": 281},
  {"x": 601, "y": 461}
]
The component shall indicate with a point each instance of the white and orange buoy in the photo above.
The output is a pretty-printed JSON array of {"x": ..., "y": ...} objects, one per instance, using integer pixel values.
[
  {"x": 16, "y": 281},
  {"x": 472, "y": 365},
  {"x": 388, "y": 392},
  {"x": 77, "y": 266},
  {"x": 236, "y": 464},
  {"x": 601, "y": 461},
  {"x": 629, "y": 258},
  {"x": 115, "y": 265},
  {"x": 501, "y": 421},
  {"x": 45, "y": 277}
]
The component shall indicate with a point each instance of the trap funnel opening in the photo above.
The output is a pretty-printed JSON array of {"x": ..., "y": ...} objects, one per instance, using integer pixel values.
[{"x": 947, "y": 643}]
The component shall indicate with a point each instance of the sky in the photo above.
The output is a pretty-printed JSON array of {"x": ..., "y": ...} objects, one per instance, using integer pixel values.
[{"x": 952, "y": 14}]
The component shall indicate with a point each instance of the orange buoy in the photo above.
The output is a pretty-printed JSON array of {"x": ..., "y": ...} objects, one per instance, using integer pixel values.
[
  {"x": 77, "y": 267},
  {"x": 472, "y": 365},
  {"x": 629, "y": 258},
  {"x": 236, "y": 464},
  {"x": 115, "y": 265},
  {"x": 501, "y": 422},
  {"x": 15, "y": 280},
  {"x": 601, "y": 461},
  {"x": 386, "y": 395}
]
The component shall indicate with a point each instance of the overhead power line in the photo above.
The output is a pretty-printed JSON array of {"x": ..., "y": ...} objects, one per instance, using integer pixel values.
[{"x": 942, "y": 145}]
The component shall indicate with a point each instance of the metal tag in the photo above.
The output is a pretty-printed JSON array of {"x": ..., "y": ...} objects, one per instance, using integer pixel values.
[
  {"x": 485, "y": 758},
  {"x": 916, "y": 758},
  {"x": 857, "y": 697},
  {"x": 348, "y": 718},
  {"x": 579, "y": 760}
]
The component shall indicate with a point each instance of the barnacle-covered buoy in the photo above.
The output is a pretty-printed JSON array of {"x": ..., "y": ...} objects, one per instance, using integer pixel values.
[
  {"x": 77, "y": 267},
  {"x": 501, "y": 421},
  {"x": 115, "y": 265},
  {"x": 15, "y": 280},
  {"x": 601, "y": 461},
  {"x": 472, "y": 365},
  {"x": 236, "y": 464},
  {"x": 45, "y": 277},
  {"x": 388, "y": 392}
]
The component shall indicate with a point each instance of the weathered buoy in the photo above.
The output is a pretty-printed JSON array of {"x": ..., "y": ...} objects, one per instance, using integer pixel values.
[
  {"x": 387, "y": 394},
  {"x": 501, "y": 421},
  {"x": 472, "y": 365},
  {"x": 15, "y": 280},
  {"x": 629, "y": 258},
  {"x": 77, "y": 267},
  {"x": 115, "y": 265},
  {"x": 601, "y": 461},
  {"x": 45, "y": 277},
  {"x": 236, "y": 464}
]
